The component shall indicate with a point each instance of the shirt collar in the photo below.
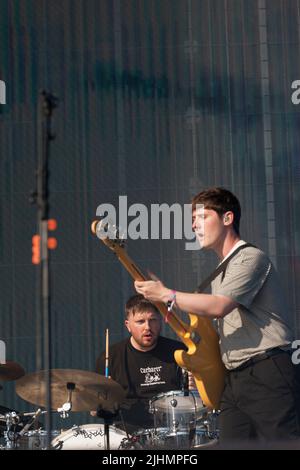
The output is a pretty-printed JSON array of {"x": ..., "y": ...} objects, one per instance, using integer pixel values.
[{"x": 237, "y": 245}]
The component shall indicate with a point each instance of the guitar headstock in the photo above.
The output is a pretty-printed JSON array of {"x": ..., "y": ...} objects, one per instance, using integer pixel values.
[{"x": 109, "y": 234}]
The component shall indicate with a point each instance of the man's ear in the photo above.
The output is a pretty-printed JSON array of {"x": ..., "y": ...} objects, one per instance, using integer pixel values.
[
  {"x": 228, "y": 218},
  {"x": 126, "y": 323}
]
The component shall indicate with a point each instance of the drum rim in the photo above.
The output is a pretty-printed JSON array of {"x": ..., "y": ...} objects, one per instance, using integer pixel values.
[
  {"x": 194, "y": 393},
  {"x": 40, "y": 432},
  {"x": 195, "y": 408}
]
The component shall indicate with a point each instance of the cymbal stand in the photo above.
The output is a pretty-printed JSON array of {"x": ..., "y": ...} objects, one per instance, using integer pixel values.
[
  {"x": 211, "y": 424},
  {"x": 123, "y": 424},
  {"x": 108, "y": 417},
  {"x": 66, "y": 407},
  {"x": 10, "y": 434},
  {"x": 31, "y": 422},
  {"x": 40, "y": 197},
  {"x": 13, "y": 419}
]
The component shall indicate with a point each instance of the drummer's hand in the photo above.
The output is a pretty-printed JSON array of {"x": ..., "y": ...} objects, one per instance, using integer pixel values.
[
  {"x": 93, "y": 413},
  {"x": 192, "y": 383},
  {"x": 153, "y": 290}
]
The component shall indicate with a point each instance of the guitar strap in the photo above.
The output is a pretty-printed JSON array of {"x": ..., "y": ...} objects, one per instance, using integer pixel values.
[{"x": 220, "y": 268}]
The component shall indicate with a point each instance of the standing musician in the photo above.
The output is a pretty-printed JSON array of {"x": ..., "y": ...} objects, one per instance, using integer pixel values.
[
  {"x": 142, "y": 364},
  {"x": 261, "y": 398}
]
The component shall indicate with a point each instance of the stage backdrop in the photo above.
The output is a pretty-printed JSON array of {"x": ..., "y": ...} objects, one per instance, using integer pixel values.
[{"x": 157, "y": 99}]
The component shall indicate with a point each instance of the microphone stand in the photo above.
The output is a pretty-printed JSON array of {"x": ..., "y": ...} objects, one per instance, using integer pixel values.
[{"x": 47, "y": 102}]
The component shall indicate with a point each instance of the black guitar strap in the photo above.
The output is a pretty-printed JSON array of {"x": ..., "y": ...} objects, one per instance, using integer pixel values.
[{"x": 220, "y": 268}]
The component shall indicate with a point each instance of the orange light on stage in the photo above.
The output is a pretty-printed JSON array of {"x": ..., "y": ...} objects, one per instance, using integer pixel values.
[
  {"x": 52, "y": 243},
  {"x": 52, "y": 224},
  {"x": 36, "y": 249}
]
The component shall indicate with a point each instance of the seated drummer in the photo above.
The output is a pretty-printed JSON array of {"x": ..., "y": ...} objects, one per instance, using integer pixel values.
[{"x": 142, "y": 364}]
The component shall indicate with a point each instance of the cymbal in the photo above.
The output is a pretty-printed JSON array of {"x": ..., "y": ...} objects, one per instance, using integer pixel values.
[
  {"x": 11, "y": 371},
  {"x": 88, "y": 390}
]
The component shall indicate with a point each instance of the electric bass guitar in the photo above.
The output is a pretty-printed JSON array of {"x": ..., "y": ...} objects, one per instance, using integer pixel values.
[{"x": 202, "y": 357}]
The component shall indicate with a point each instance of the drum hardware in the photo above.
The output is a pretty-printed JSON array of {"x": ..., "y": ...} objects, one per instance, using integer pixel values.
[
  {"x": 211, "y": 424},
  {"x": 10, "y": 434},
  {"x": 36, "y": 439},
  {"x": 64, "y": 410},
  {"x": 180, "y": 421},
  {"x": 18, "y": 435},
  {"x": 162, "y": 439},
  {"x": 138, "y": 440},
  {"x": 175, "y": 410},
  {"x": 30, "y": 423},
  {"x": 18, "y": 420},
  {"x": 71, "y": 389},
  {"x": 108, "y": 417},
  {"x": 185, "y": 382},
  {"x": 15, "y": 428},
  {"x": 67, "y": 407}
]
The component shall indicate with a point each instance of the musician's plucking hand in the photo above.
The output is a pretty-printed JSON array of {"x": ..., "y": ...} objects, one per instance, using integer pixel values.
[{"x": 154, "y": 291}]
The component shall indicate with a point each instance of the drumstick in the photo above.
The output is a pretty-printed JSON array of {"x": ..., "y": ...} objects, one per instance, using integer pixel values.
[{"x": 106, "y": 352}]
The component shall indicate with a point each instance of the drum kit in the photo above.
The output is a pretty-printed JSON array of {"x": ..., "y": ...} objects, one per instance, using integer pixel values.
[{"x": 180, "y": 421}]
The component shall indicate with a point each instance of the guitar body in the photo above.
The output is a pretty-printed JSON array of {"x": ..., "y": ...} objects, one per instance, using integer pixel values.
[
  {"x": 202, "y": 357},
  {"x": 204, "y": 361}
]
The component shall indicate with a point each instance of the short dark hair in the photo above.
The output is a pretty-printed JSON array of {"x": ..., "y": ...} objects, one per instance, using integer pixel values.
[
  {"x": 138, "y": 304},
  {"x": 220, "y": 200}
]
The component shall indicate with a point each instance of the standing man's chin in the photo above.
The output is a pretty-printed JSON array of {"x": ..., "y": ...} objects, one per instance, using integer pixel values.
[{"x": 200, "y": 241}]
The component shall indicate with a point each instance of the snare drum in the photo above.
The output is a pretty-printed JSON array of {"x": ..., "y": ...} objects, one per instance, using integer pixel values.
[
  {"x": 177, "y": 412},
  {"x": 88, "y": 437}
]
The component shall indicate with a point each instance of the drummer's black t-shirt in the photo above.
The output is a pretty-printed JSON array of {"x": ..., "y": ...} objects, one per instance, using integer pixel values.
[{"x": 143, "y": 375}]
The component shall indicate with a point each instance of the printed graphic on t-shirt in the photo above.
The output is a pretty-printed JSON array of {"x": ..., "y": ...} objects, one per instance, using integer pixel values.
[{"x": 152, "y": 376}]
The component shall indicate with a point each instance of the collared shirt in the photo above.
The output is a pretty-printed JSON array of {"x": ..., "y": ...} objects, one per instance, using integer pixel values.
[{"x": 260, "y": 321}]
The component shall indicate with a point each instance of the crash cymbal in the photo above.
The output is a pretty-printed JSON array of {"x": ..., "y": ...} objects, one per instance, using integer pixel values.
[
  {"x": 11, "y": 371},
  {"x": 87, "y": 390}
]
